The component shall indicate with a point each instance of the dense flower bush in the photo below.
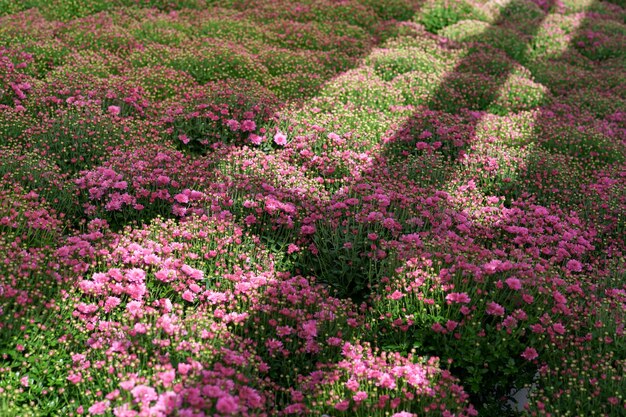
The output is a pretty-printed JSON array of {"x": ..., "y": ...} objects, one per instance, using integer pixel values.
[{"x": 318, "y": 208}]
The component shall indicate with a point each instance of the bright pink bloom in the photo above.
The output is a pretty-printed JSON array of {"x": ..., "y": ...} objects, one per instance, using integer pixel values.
[
  {"x": 227, "y": 405},
  {"x": 280, "y": 139},
  {"x": 458, "y": 297}
]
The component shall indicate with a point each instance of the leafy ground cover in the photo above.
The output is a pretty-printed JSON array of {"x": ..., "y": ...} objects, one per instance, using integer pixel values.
[{"x": 270, "y": 208}]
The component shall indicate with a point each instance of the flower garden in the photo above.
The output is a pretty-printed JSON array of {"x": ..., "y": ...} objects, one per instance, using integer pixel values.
[{"x": 389, "y": 208}]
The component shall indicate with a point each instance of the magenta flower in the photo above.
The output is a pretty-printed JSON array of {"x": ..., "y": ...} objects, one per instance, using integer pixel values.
[
  {"x": 248, "y": 126},
  {"x": 227, "y": 405},
  {"x": 458, "y": 297},
  {"x": 574, "y": 266},
  {"x": 233, "y": 125},
  {"x": 514, "y": 283},
  {"x": 495, "y": 309},
  {"x": 529, "y": 354},
  {"x": 342, "y": 405}
]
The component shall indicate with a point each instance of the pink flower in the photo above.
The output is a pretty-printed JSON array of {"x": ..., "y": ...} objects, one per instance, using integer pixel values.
[
  {"x": 183, "y": 138},
  {"x": 574, "y": 266},
  {"x": 135, "y": 308},
  {"x": 396, "y": 295},
  {"x": 514, "y": 283},
  {"x": 495, "y": 309},
  {"x": 144, "y": 394},
  {"x": 75, "y": 378},
  {"x": 437, "y": 328},
  {"x": 99, "y": 407},
  {"x": 24, "y": 381},
  {"x": 451, "y": 325},
  {"x": 342, "y": 406},
  {"x": 256, "y": 139},
  {"x": 167, "y": 377},
  {"x": 227, "y": 405},
  {"x": 458, "y": 297},
  {"x": 307, "y": 230},
  {"x": 309, "y": 328},
  {"x": 280, "y": 139},
  {"x": 114, "y": 110},
  {"x": 184, "y": 368},
  {"x": 529, "y": 354},
  {"x": 352, "y": 384},
  {"x": 181, "y": 198},
  {"x": 233, "y": 125},
  {"x": 189, "y": 296},
  {"x": 111, "y": 303},
  {"x": 360, "y": 396},
  {"x": 558, "y": 328},
  {"x": 248, "y": 125}
]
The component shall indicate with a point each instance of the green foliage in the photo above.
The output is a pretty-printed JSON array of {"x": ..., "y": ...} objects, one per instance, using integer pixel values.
[
  {"x": 496, "y": 36},
  {"x": 400, "y": 10},
  {"x": 389, "y": 63},
  {"x": 441, "y": 14},
  {"x": 76, "y": 140}
]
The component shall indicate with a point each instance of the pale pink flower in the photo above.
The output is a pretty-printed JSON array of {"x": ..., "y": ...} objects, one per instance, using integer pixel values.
[
  {"x": 352, "y": 384},
  {"x": 396, "y": 295},
  {"x": 111, "y": 303},
  {"x": 99, "y": 407},
  {"x": 144, "y": 394},
  {"x": 114, "y": 110},
  {"x": 280, "y": 139}
]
